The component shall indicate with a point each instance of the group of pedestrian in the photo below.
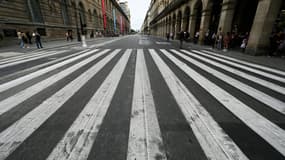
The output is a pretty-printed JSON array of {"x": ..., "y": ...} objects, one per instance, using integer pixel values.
[
  {"x": 25, "y": 39},
  {"x": 169, "y": 36},
  {"x": 277, "y": 44},
  {"x": 225, "y": 41},
  {"x": 68, "y": 36}
]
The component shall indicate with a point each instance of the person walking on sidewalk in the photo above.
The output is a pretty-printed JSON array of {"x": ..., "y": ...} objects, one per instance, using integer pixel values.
[
  {"x": 181, "y": 38},
  {"x": 38, "y": 39},
  {"x": 19, "y": 34}
]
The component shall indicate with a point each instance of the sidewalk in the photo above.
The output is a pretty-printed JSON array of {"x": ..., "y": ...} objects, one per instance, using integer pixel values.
[
  {"x": 273, "y": 62},
  {"x": 51, "y": 44}
]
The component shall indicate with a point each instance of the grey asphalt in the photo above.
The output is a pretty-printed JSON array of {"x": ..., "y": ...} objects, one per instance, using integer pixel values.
[{"x": 111, "y": 143}]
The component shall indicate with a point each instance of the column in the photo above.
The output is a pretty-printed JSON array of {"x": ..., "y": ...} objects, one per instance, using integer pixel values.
[
  {"x": 205, "y": 22},
  {"x": 227, "y": 15},
  {"x": 266, "y": 14}
]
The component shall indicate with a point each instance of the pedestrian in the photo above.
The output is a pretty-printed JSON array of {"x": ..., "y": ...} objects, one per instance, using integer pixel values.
[
  {"x": 243, "y": 45},
  {"x": 29, "y": 37},
  {"x": 181, "y": 38},
  {"x": 196, "y": 37},
  {"x": 227, "y": 39},
  {"x": 38, "y": 40},
  {"x": 167, "y": 36},
  {"x": 19, "y": 34},
  {"x": 213, "y": 40},
  {"x": 25, "y": 40},
  {"x": 171, "y": 36},
  {"x": 67, "y": 36}
]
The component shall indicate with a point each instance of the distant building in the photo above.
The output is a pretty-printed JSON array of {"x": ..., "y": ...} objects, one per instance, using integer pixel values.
[
  {"x": 53, "y": 18},
  {"x": 126, "y": 9}
]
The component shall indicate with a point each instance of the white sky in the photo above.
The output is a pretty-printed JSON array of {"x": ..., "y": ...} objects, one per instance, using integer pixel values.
[{"x": 138, "y": 9}]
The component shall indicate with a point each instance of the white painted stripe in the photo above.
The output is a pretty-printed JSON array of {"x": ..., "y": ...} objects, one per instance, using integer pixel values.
[
  {"x": 107, "y": 42},
  {"x": 12, "y": 137},
  {"x": 18, "y": 98},
  {"x": 244, "y": 75},
  {"x": 78, "y": 140},
  {"x": 30, "y": 59},
  {"x": 23, "y": 56},
  {"x": 270, "y": 132},
  {"x": 258, "y": 95},
  {"x": 41, "y": 66},
  {"x": 248, "y": 63},
  {"x": 13, "y": 83},
  {"x": 145, "y": 137},
  {"x": 265, "y": 74},
  {"x": 216, "y": 144}
]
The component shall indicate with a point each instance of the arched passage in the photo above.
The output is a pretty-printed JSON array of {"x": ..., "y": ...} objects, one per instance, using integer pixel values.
[
  {"x": 215, "y": 15},
  {"x": 198, "y": 16},
  {"x": 244, "y": 15},
  {"x": 186, "y": 19},
  {"x": 173, "y": 24},
  {"x": 179, "y": 21},
  {"x": 82, "y": 18},
  {"x": 64, "y": 12}
]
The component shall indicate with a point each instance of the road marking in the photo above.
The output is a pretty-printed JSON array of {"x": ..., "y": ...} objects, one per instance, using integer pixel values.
[
  {"x": 265, "y": 74},
  {"x": 163, "y": 43},
  {"x": 13, "y": 83},
  {"x": 31, "y": 59},
  {"x": 270, "y": 132},
  {"x": 213, "y": 140},
  {"x": 18, "y": 98},
  {"x": 244, "y": 75},
  {"x": 12, "y": 137},
  {"x": 10, "y": 54},
  {"x": 144, "y": 42},
  {"x": 145, "y": 137},
  {"x": 258, "y": 95},
  {"x": 23, "y": 56},
  {"x": 107, "y": 42},
  {"x": 247, "y": 63},
  {"x": 40, "y": 66},
  {"x": 78, "y": 140}
]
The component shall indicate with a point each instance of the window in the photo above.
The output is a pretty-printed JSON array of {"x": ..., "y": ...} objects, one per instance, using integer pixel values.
[
  {"x": 64, "y": 11},
  {"x": 35, "y": 10}
]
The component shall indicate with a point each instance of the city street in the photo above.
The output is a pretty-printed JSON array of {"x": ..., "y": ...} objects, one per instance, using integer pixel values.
[{"x": 140, "y": 97}]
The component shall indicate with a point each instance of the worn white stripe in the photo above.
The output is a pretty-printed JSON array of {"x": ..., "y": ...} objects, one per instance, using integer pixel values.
[
  {"x": 265, "y": 74},
  {"x": 216, "y": 144},
  {"x": 13, "y": 83},
  {"x": 18, "y": 98},
  {"x": 258, "y": 95},
  {"x": 248, "y": 63},
  {"x": 41, "y": 66},
  {"x": 145, "y": 137},
  {"x": 270, "y": 132},
  {"x": 13, "y": 136},
  {"x": 31, "y": 59},
  {"x": 78, "y": 140},
  {"x": 24, "y": 56},
  {"x": 244, "y": 75}
]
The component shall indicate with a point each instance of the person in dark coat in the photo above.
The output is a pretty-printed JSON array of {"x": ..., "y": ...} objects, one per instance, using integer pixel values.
[
  {"x": 38, "y": 40},
  {"x": 181, "y": 38}
]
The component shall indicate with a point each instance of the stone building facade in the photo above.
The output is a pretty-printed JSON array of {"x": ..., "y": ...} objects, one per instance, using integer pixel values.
[
  {"x": 257, "y": 17},
  {"x": 53, "y": 18}
]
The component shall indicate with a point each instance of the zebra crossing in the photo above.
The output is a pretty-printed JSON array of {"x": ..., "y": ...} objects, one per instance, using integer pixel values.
[{"x": 179, "y": 104}]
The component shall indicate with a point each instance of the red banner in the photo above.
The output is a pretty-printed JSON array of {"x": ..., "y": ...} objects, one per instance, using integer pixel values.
[{"x": 104, "y": 14}]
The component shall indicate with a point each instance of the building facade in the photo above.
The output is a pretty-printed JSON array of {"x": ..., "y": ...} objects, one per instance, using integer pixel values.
[
  {"x": 125, "y": 6},
  {"x": 257, "y": 17},
  {"x": 53, "y": 18}
]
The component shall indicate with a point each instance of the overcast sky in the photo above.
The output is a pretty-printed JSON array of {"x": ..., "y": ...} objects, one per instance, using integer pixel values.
[{"x": 138, "y": 10}]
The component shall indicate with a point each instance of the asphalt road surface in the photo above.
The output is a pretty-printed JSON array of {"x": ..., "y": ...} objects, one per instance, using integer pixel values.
[{"x": 139, "y": 98}]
